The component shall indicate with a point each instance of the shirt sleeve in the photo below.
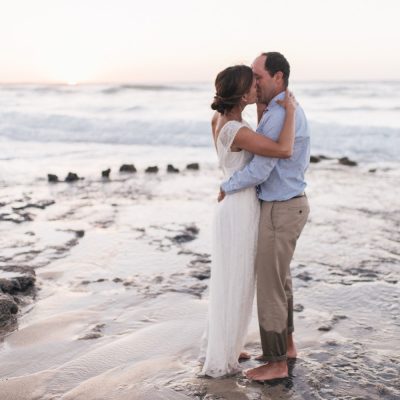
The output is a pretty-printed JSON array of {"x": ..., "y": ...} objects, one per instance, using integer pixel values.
[{"x": 259, "y": 168}]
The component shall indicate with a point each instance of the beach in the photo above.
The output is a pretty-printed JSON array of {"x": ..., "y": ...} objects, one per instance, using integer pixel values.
[{"x": 113, "y": 272}]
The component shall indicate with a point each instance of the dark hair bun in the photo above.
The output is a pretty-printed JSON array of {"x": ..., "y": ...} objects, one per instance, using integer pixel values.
[
  {"x": 231, "y": 84},
  {"x": 218, "y": 104}
]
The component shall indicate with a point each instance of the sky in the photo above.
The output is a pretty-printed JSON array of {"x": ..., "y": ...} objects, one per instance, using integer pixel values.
[{"x": 191, "y": 40}]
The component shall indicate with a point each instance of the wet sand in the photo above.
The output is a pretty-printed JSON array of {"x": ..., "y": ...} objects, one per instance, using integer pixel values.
[{"x": 122, "y": 267}]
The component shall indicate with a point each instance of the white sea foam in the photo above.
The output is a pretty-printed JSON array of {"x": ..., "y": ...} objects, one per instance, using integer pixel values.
[{"x": 358, "y": 119}]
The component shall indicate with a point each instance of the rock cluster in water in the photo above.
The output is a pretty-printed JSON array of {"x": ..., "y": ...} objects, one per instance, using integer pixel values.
[
  {"x": 124, "y": 168},
  {"x": 343, "y": 160}
]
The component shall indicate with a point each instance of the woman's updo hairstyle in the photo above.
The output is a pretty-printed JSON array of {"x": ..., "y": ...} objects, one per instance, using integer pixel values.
[{"x": 230, "y": 85}]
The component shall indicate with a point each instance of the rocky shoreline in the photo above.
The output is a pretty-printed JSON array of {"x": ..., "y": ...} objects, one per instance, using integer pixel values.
[
  {"x": 18, "y": 290},
  {"x": 105, "y": 285}
]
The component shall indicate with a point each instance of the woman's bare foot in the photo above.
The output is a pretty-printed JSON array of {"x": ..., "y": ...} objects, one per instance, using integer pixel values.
[
  {"x": 244, "y": 356},
  {"x": 267, "y": 372}
]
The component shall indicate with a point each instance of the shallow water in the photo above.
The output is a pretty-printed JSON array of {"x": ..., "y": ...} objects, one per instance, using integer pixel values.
[{"x": 122, "y": 283}]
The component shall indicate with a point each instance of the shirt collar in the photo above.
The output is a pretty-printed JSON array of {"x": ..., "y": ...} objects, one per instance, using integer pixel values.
[
  {"x": 273, "y": 103},
  {"x": 279, "y": 96}
]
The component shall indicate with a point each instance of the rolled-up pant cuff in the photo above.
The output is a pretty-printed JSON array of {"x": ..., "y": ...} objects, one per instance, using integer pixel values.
[{"x": 274, "y": 358}]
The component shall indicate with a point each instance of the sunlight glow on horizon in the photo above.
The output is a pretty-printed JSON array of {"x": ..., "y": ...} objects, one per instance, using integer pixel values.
[{"x": 178, "y": 41}]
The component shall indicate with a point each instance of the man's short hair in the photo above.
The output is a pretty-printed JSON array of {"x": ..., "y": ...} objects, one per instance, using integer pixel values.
[{"x": 276, "y": 62}]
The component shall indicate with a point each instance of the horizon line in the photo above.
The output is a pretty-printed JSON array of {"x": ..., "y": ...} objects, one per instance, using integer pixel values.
[{"x": 158, "y": 83}]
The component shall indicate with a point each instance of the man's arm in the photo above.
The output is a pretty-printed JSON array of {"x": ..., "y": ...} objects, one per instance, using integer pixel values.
[
  {"x": 254, "y": 173},
  {"x": 259, "y": 168}
]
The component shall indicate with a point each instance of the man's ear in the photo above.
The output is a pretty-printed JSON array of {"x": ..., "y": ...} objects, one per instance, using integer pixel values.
[{"x": 278, "y": 76}]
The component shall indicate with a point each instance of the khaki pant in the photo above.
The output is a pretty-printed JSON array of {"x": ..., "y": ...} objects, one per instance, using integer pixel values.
[{"x": 281, "y": 223}]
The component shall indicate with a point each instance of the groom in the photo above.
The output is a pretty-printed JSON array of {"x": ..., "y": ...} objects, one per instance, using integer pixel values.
[{"x": 284, "y": 212}]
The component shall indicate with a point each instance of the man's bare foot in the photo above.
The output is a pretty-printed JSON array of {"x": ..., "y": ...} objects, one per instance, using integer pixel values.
[
  {"x": 244, "y": 356},
  {"x": 291, "y": 347},
  {"x": 267, "y": 372}
]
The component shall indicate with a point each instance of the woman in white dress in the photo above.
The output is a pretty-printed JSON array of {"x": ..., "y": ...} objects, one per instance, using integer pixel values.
[{"x": 236, "y": 220}]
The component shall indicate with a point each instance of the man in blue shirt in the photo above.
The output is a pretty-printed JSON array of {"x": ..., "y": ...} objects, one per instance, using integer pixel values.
[{"x": 284, "y": 211}]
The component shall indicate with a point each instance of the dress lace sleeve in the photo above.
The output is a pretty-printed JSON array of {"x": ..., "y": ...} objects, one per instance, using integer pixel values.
[{"x": 228, "y": 133}]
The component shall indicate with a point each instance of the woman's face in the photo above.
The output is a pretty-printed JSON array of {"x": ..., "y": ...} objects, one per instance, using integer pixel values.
[{"x": 251, "y": 95}]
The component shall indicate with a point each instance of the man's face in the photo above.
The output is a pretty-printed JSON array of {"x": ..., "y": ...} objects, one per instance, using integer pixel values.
[{"x": 266, "y": 84}]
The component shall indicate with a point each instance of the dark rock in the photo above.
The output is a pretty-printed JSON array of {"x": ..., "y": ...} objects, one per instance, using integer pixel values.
[
  {"x": 193, "y": 166},
  {"x": 127, "y": 168},
  {"x": 171, "y": 168},
  {"x": 151, "y": 170},
  {"x": 158, "y": 279},
  {"x": 347, "y": 162},
  {"x": 17, "y": 284},
  {"x": 17, "y": 217},
  {"x": 315, "y": 159},
  {"x": 372, "y": 170},
  {"x": 188, "y": 234},
  {"x": 42, "y": 204},
  {"x": 25, "y": 282},
  {"x": 90, "y": 336},
  {"x": 94, "y": 334},
  {"x": 325, "y": 328},
  {"x": 198, "y": 262},
  {"x": 8, "y": 308},
  {"x": 298, "y": 308},
  {"x": 183, "y": 238},
  {"x": 8, "y": 285},
  {"x": 72, "y": 177},
  {"x": 304, "y": 276},
  {"x": 195, "y": 290},
  {"x": 322, "y": 157},
  {"x": 201, "y": 274},
  {"x": 106, "y": 173},
  {"x": 101, "y": 280},
  {"x": 116, "y": 280},
  {"x": 52, "y": 178},
  {"x": 193, "y": 229},
  {"x": 337, "y": 318},
  {"x": 80, "y": 233}
]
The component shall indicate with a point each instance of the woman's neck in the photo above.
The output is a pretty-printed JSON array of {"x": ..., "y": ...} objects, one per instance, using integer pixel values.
[{"x": 235, "y": 114}]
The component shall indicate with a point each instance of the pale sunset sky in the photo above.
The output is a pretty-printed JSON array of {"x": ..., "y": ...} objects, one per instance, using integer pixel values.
[{"x": 178, "y": 41}]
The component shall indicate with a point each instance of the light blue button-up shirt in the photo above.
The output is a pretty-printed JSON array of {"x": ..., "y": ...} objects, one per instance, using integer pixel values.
[{"x": 278, "y": 179}]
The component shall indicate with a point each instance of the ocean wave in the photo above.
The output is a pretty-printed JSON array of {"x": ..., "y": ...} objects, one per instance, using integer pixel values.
[
  {"x": 152, "y": 88},
  {"x": 363, "y": 108},
  {"x": 361, "y": 142},
  {"x": 67, "y": 128},
  {"x": 102, "y": 88}
]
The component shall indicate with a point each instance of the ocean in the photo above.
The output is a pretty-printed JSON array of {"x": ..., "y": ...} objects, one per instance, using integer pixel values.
[
  {"x": 359, "y": 120},
  {"x": 118, "y": 267}
]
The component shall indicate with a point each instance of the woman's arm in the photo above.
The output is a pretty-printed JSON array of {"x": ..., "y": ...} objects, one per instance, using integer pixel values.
[
  {"x": 258, "y": 144},
  {"x": 214, "y": 122}
]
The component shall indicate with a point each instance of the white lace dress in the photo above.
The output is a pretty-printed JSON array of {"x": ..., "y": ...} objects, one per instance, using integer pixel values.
[{"x": 232, "y": 281}]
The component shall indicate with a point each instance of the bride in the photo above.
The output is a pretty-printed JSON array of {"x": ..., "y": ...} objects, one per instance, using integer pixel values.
[{"x": 236, "y": 219}]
